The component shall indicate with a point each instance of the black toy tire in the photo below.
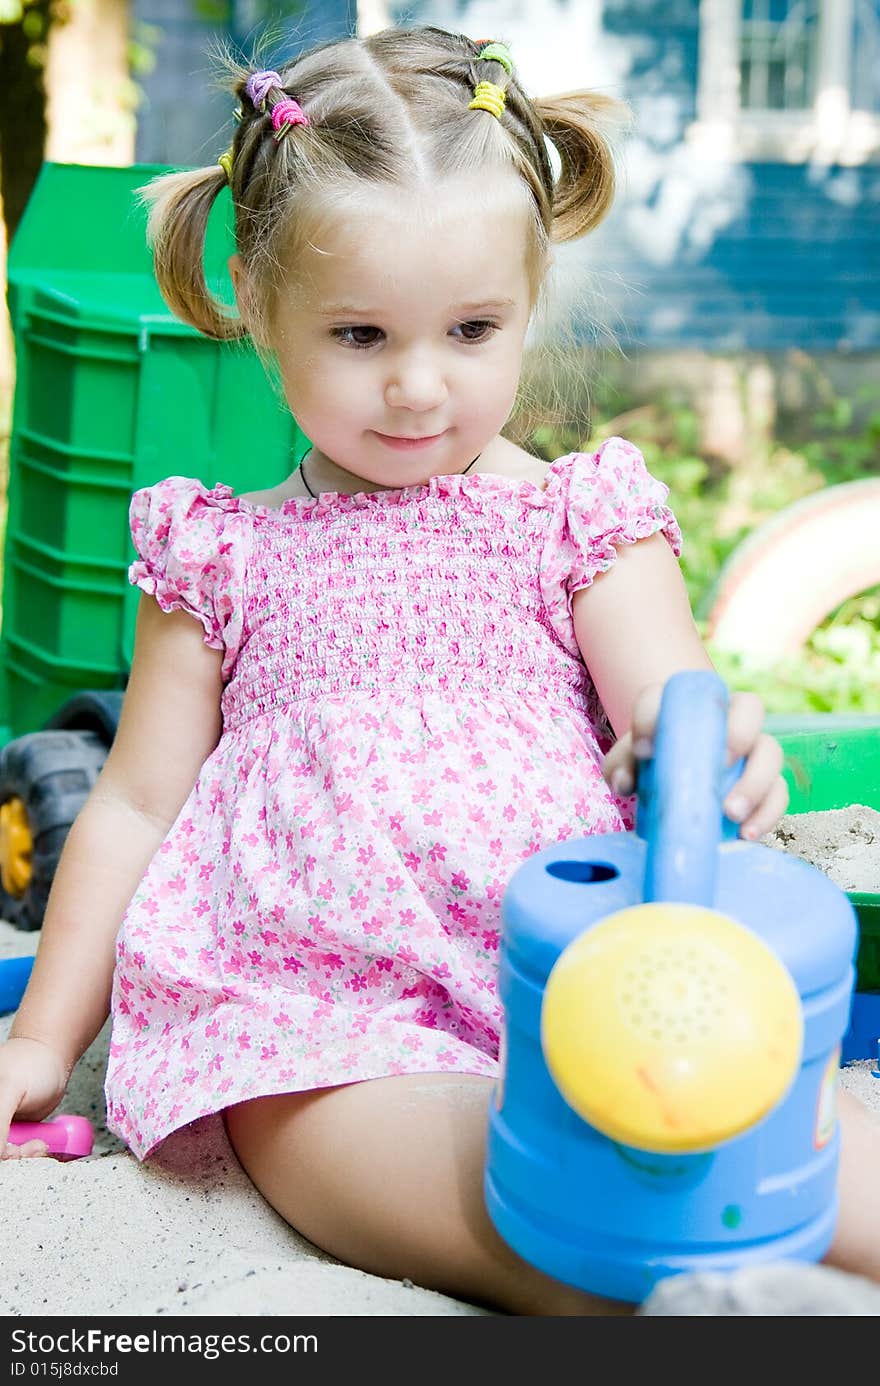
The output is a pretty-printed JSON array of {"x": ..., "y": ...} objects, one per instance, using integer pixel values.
[{"x": 51, "y": 772}]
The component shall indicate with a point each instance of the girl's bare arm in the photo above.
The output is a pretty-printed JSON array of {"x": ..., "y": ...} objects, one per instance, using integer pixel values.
[
  {"x": 169, "y": 725},
  {"x": 635, "y": 629}
]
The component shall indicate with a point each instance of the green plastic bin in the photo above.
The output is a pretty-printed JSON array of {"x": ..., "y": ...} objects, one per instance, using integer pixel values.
[
  {"x": 112, "y": 393},
  {"x": 830, "y": 763}
]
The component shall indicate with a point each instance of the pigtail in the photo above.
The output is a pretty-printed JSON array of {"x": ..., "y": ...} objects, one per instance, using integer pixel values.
[
  {"x": 179, "y": 205},
  {"x": 579, "y": 126}
]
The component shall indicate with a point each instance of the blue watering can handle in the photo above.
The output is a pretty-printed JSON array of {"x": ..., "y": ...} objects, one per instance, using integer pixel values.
[{"x": 681, "y": 790}]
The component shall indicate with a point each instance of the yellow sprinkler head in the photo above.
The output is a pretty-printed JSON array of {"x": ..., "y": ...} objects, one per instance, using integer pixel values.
[{"x": 671, "y": 1027}]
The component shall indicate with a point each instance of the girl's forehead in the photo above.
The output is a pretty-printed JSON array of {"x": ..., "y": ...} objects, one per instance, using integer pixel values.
[
  {"x": 369, "y": 232},
  {"x": 456, "y": 247}
]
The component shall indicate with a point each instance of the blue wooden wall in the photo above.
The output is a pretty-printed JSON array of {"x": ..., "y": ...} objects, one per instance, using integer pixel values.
[
  {"x": 773, "y": 255},
  {"x": 795, "y": 267},
  {"x": 696, "y": 252}
]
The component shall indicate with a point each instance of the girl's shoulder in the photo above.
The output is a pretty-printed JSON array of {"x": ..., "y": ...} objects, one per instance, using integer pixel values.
[
  {"x": 191, "y": 552},
  {"x": 183, "y": 509},
  {"x": 185, "y": 492},
  {"x": 275, "y": 497},
  {"x": 504, "y": 458},
  {"x": 615, "y": 458},
  {"x": 189, "y": 532},
  {"x": 606, "y": 485}
]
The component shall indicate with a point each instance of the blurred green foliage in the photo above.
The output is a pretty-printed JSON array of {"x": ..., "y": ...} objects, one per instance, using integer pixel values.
[
  {"x": 717, "y": 506},
  {"x": 24, "y": 12}
]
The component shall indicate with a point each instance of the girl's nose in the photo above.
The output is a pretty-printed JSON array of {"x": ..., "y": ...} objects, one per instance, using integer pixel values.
[{"x": 415, "y": 383}]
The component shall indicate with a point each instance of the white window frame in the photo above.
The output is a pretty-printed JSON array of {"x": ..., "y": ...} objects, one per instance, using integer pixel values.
[{"x": 831, "y": 131}]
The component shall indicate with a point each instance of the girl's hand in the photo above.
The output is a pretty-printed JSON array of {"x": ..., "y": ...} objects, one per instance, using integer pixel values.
[
  {"x": 32, "y": 1083},
  {"x": 760, "y": 796}
]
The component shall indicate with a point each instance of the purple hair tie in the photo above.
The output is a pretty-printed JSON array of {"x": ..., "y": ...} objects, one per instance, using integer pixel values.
[
  {"x": 258, "y": 86},
  {"x": 285, "y": 113}
]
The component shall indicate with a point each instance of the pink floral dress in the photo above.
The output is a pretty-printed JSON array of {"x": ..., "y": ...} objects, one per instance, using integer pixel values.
[{"x": 406, "y": 717}]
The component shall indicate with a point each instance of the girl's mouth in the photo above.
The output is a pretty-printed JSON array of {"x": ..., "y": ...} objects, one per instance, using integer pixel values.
[{"x": 409, "y": 444}]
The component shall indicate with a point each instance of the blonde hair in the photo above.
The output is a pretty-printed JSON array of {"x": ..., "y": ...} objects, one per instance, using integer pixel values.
[{"x": 390, "y": 108}]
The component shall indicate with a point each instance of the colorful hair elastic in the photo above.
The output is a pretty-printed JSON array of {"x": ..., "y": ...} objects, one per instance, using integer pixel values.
[
  {"x": 258, "y": 86},
  {"x": 488, "y": 97},
  {"x": 496, "y": 53},
  {"x": 225, "y": 162},
  {"x": 286, "y": 113}
]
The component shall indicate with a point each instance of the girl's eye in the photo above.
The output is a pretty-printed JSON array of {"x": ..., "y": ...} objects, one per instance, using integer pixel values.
[
  {"x": 479, "y": 330},
  {"x": 357, "y": 337}
]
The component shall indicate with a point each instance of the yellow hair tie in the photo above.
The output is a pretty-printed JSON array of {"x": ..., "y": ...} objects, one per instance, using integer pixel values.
[
  {"x": 225, "y": 162},
  {"x": 488, "y": 97}
]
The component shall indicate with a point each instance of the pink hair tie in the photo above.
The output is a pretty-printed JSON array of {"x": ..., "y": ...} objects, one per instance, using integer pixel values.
[
  {"x": 258, "y": 86},
  {"x": 286, "y": 113}
]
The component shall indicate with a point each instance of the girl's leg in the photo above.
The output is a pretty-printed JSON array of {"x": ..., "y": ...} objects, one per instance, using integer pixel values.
[
  {"x": 387, "y": 1175},
  {"x": 856, "y": 1245}
]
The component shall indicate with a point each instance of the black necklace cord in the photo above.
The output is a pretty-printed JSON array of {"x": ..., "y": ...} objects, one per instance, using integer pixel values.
[{"x": 302, "y": 472}]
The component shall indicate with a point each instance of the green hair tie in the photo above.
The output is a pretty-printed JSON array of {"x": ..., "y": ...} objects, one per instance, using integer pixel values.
[{"x": 497, "y": 53}]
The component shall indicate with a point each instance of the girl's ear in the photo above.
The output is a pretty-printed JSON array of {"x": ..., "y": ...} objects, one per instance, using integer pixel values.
[
  {"x": 236, "y": 271},
  {"x": 244, "y": 296}
]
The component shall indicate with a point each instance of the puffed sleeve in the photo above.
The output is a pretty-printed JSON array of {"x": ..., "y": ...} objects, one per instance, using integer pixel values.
[
  {"x": 598, "y": 501},
  {"x": 191, "y": 546}
]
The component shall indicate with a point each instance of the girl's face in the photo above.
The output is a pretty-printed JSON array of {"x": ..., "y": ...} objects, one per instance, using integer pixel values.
[{"x": 400, "y": 337}]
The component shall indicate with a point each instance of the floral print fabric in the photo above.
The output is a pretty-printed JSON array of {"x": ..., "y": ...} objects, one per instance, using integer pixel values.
[{"x": 406, "y": 718}]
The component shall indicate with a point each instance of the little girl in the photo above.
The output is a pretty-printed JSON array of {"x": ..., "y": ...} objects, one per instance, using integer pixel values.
[{"x": 359, "y": 699}]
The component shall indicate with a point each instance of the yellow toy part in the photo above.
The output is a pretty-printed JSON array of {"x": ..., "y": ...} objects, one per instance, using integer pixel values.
[
  {"x": 15, "y": 848},
  {"x": 671, "y": 1027}
]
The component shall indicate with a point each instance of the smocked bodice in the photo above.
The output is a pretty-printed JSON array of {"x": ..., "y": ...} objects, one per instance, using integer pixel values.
[{"x": 460, "y": 586}]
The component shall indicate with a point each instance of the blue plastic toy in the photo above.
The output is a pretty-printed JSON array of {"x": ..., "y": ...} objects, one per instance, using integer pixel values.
[
  {"x": 14, "y": 976},
  {"x": 674, "y": 1002}
]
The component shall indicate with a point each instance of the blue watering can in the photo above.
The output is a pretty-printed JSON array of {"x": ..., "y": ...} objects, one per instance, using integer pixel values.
[{"x": 675, "y": 1000}]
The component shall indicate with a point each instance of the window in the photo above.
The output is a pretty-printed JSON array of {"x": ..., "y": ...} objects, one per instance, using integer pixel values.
[
  {"x": 790, "y": 80},
  {"x": 777, "y": 55},
  {"x": 866, "y": 59}
]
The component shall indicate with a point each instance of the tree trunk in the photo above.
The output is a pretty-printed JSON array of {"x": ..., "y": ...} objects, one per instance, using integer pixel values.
[{"x": 22, "y": 113}]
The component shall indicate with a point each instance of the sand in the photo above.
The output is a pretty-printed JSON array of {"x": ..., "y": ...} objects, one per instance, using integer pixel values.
[
  {"x": 187, "y": 1234},
  {"x": 844, "y": 843},
  {"x": 184, "y": 1233}
]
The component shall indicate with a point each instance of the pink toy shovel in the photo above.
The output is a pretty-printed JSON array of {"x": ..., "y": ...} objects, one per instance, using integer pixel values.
[{"x": 67, "y": 1136}]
